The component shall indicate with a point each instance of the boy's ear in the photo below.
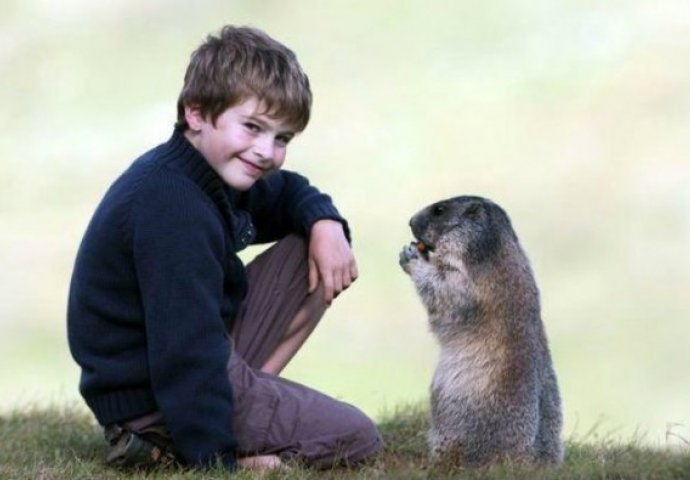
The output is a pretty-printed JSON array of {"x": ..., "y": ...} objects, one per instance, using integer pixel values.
[{"x": 194, "y": 117}]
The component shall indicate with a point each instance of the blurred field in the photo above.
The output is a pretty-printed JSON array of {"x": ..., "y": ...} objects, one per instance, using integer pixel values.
[{"x": 572, "y": 115}]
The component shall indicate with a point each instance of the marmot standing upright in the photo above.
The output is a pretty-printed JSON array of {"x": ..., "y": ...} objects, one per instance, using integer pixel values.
[{"x": 494, "y": 394}]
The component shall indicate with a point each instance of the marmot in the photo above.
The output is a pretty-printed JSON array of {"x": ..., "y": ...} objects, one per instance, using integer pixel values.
[{"x": 494, "y": 394}]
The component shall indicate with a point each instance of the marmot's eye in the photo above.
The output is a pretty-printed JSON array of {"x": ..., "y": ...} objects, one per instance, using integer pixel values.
[{"x": 437, "y": 210}]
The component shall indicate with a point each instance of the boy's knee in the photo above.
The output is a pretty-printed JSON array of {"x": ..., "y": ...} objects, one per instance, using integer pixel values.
[
  {"x": 294, "y": 246},
  {"x": 296, "y": 240},
  {"x": 367, "y": 435},
  {"x": 361, "y": 441}
]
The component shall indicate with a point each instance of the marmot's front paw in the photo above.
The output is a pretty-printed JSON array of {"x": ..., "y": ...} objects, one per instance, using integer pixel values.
[{"x": 409, "y": 253}]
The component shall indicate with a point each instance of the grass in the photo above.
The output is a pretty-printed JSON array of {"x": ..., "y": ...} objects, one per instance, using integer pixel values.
[{"x": 64, "y": 443}]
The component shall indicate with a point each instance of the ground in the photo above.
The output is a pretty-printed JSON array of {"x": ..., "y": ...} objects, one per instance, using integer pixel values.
[{"x": 64, "y": 443}]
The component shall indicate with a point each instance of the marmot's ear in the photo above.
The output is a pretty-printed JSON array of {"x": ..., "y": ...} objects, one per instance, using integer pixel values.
[{"x": 473, "y": 209}]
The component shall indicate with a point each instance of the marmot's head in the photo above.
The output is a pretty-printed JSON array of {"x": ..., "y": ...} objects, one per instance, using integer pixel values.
[{"x": 471, "y": 229}]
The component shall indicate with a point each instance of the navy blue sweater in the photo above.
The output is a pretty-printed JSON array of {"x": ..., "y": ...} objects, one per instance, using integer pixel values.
[{"x": 157, "y": 283}]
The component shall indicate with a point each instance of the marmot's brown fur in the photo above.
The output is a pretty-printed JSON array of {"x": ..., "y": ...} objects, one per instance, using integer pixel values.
[{"x": 494, "y": 394}]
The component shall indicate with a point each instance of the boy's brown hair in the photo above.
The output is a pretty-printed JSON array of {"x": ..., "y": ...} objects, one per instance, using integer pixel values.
[{"x": 241, "y": 62}]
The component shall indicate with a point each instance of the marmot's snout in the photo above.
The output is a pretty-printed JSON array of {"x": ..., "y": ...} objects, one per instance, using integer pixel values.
[
  {"x": 423, "y": 230},
  {"x": 419, "y": 225}
]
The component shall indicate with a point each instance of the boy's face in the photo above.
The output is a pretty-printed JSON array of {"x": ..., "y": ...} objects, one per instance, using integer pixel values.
[{"x": 243, "y": 145}]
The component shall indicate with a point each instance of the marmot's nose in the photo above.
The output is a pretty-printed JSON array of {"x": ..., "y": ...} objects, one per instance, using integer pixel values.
[{"x": 418, "y": 226}]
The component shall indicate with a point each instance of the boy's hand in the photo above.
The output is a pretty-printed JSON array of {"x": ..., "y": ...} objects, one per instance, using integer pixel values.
[{"x": 330, "y": 259}]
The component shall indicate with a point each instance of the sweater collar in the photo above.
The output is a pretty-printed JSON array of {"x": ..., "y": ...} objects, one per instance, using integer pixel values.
[{"x": 180, "y": 153}]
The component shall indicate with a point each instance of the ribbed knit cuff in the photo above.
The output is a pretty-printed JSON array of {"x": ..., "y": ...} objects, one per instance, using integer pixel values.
[
  {"x": 122, "y": 405},
  {"x": 320, "y": 211}
]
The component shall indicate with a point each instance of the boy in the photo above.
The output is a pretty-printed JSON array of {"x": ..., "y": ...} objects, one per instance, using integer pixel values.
[{"x": 180, "y": 345}]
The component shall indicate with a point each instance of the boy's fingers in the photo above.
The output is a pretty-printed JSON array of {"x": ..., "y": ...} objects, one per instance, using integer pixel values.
[
  {"x": 313, "y": 276},
  {"x": 354, "y": 273},
  {"x": 328, "y": 290},
  {"x": 337, "y": 284}
]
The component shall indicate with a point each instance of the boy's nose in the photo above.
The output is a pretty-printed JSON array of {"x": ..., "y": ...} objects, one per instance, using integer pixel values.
[{"x": 264, "y": 148}]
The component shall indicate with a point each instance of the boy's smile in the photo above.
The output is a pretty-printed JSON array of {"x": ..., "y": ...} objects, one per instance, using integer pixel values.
[{"x": 243, "y": 145}]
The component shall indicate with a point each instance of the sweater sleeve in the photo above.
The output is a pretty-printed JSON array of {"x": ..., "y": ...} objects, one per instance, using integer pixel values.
[
  {"x": 179, "y": 248},
  {"x": 284, "y": 202}
]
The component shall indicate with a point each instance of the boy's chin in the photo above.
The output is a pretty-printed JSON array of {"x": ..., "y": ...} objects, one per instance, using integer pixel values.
[{"x": 240, "y": 183}]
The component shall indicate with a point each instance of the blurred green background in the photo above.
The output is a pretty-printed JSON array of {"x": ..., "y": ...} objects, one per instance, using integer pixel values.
[{"x": 574, "y": 115}]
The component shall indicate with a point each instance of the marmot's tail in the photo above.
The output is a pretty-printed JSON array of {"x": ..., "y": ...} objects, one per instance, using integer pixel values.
[{"x": 548, "y": 445}]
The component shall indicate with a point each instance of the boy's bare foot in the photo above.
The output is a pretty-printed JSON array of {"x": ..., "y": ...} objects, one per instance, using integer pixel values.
[{"x": 260, "y": 462}]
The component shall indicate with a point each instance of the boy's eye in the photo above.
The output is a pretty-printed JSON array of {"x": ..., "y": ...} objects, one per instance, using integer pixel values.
[
  {"x": 252, "y": 127},
  {"x": 283, "y": 139}
]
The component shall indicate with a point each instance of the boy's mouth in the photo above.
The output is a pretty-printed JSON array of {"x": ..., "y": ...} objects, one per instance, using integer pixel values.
[{"x": 253, "y": 166}]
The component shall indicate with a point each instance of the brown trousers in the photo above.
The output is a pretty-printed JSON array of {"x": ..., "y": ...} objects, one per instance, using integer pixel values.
[{"x": 273, "y": 415}]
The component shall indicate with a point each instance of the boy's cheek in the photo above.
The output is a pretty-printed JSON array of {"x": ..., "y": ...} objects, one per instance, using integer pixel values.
[{"x": 279, "y": 161}]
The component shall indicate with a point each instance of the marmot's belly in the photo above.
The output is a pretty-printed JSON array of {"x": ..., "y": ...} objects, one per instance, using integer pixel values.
[{"x": 466, "y": 371}]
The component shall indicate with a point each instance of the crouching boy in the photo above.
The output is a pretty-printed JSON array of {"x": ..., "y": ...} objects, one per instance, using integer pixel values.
[{"x": 179, "y": 344}]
